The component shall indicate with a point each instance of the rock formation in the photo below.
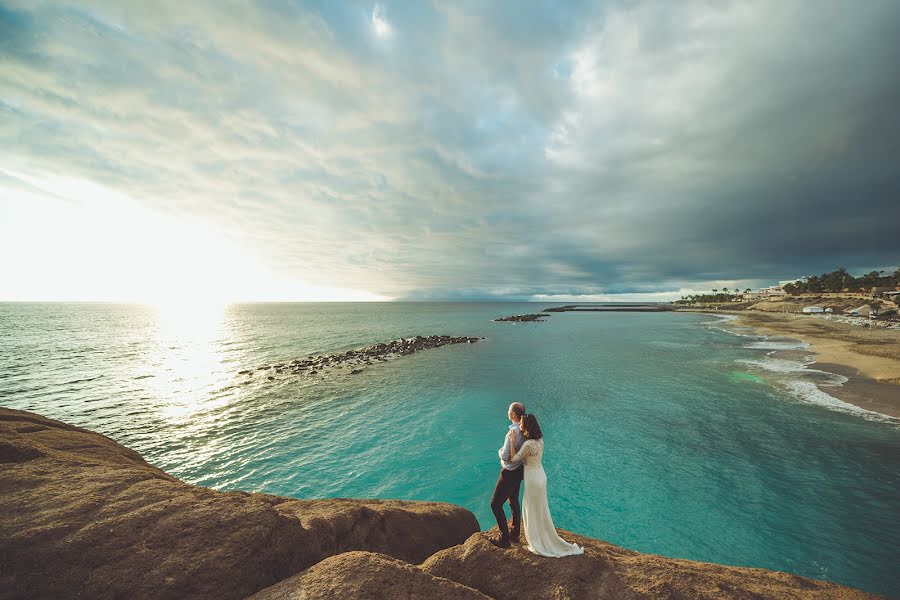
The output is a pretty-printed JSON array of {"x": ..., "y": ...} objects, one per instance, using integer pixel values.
[
  {"x": 323, "y": 363},
  {"x": 84, "y": 517},
  {"x": 366, "y": 575},
  {"x": 536, "y": 318},
  {"x": 608, "y": 571}
]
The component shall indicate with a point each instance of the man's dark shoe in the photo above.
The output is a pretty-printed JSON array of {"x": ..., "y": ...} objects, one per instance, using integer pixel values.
[
  {"x": 500, "y": 541},
  {"x": 514, "y": 535}
]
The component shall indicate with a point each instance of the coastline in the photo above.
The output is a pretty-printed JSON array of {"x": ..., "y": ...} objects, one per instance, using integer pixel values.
[
  {"x": 94, "y": 519},
  {"x": 868, "y": 358}
]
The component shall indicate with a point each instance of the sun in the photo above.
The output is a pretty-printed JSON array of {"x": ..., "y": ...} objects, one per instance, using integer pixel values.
[
  {"x": 379, "y": 23},
  {"x": 192, "y": 319}
]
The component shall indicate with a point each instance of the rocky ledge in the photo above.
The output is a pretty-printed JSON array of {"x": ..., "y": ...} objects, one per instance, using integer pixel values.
[
  {"x": 84, "y": 517},
  {"x": 356, "y": 360}
]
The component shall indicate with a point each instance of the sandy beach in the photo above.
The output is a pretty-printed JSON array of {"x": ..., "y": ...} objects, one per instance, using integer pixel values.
[{"x": 869, "y": 358}]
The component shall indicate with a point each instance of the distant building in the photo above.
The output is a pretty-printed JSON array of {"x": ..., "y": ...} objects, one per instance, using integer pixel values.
[
  {"x": 766, "y": 293},
  {"x": 813, "y": 310},
  {"x": 803, "y": 279}
]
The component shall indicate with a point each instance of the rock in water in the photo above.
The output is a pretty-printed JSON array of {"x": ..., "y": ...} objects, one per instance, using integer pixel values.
[{"x": 535, "y": 318}]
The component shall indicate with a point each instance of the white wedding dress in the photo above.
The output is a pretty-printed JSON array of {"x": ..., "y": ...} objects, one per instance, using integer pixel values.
[{"x": 539, "y": 530}]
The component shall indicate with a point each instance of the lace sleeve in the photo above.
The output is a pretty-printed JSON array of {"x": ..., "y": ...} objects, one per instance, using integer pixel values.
[{"x": 527, "y": 449}]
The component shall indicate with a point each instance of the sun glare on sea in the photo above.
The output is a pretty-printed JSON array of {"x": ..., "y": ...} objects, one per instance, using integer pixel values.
[
  {"x": 187, "y": 319},
  {"x": 188, "y": 363}
]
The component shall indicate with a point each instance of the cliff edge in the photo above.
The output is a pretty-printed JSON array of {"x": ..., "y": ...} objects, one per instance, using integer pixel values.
[{"x": 81, "y": 516}]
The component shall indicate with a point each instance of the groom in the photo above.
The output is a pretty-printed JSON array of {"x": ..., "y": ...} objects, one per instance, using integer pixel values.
[{"x": 509, "y": 482}]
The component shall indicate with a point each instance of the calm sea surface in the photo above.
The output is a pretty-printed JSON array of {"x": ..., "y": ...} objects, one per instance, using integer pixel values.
[{"x": 665, "y": 433}]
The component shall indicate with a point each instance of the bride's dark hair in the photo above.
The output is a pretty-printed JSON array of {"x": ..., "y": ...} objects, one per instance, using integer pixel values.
[{"x": 529, "y": 427}]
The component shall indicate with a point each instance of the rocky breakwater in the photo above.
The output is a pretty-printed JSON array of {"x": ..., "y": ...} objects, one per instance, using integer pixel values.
[
  {"x": 84, "y": 517},
  {"x": 353, "y": 362},
  {"x": 621, "y": 307},
  {"x": 537, "y": 318}
]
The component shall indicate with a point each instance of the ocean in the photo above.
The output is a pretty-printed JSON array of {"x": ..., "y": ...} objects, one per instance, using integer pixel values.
[{"x": 671, "y": 433}]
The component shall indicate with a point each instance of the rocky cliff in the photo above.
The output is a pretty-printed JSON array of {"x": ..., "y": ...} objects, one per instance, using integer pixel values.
[{"x": 84, "y": 517}]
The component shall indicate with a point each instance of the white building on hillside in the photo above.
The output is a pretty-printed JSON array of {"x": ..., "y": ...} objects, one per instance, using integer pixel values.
[
  {"x": 803, "y": 279},
  {"x": 775, "y": 291},
  {"x": 766, "y": 293}
]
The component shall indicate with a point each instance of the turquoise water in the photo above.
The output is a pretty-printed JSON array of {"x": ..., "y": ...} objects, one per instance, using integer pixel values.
[{"x": 665, "y": 433}]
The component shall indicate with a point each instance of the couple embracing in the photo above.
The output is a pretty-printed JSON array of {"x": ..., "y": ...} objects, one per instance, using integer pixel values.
[{"x": 520, "y": 459}]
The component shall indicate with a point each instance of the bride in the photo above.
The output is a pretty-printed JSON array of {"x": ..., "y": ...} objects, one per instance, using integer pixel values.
[{"x": 539, "y": 530}]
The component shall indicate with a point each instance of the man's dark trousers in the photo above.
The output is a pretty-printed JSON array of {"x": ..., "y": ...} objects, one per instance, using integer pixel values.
[{"x": 508, "y": 485}]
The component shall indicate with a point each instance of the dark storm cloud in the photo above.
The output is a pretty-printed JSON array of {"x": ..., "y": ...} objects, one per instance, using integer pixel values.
[{"x": 470, "y": 150}]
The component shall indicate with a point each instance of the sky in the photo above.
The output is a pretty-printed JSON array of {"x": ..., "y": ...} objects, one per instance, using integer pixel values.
[{"x": 228, "y": 151}]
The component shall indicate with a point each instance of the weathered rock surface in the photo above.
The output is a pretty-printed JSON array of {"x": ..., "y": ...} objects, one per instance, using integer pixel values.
[
  {"x": 366, "y": 575},
  {"x": 411, "y": 531},
  {"x": 608, "y": 571},
  {"x": 83, "y": 516}
]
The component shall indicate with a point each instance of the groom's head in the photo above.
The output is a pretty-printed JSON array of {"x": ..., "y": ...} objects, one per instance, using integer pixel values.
[{"x": 516, "y": 410}]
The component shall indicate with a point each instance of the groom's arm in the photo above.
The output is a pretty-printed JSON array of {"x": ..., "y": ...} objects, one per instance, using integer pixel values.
[{"x": 504, "y": 451}]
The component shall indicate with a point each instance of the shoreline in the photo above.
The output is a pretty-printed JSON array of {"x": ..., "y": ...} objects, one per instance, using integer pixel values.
[
  {"x": 868, "y": 359},
  {"x": 79, "y": 498}
]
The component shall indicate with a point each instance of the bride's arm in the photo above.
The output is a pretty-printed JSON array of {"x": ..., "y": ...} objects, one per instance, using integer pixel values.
[
  {"x": 522, "y": 453},
  {"x": 512, "y": 445}
]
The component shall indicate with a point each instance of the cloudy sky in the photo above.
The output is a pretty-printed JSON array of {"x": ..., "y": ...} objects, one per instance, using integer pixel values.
[{"x": 443, "y": 150}]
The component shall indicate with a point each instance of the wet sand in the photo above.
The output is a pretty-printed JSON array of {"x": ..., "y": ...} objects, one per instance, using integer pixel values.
[
  {"x": 864, "y": 392},
  {"x": 869, "y": 358}
]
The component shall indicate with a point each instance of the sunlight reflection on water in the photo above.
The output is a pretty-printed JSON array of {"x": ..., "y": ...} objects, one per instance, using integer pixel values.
[{"x": 189, "y": 360}]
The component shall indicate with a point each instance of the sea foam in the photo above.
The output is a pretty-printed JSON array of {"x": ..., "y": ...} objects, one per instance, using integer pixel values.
[
  {"x": 808, "y": 391},
  {"x": 786, "y": 344},
  {"x": 794, "y": 375}
]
